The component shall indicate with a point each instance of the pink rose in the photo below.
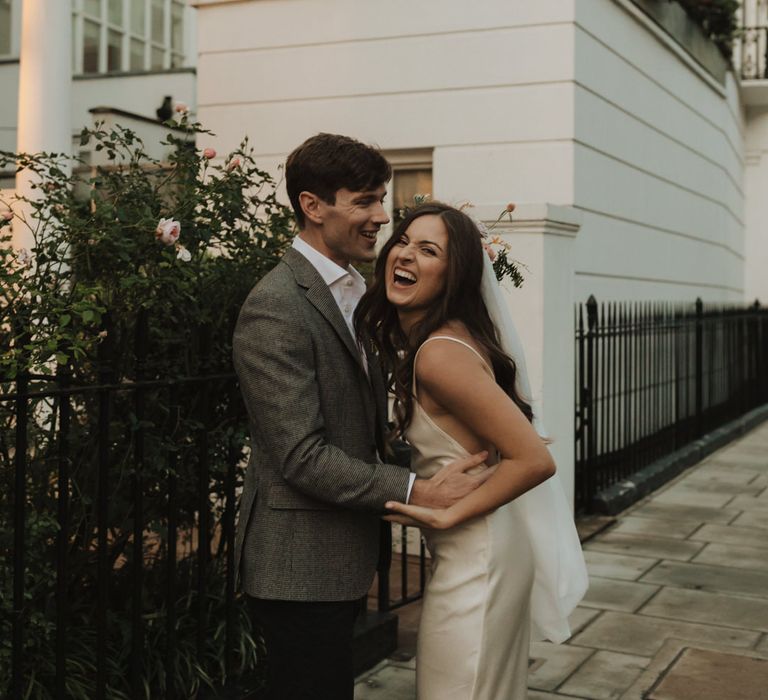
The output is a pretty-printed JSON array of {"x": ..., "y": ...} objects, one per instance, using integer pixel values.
[
  {"x": 7, "y": 215},
  {"x": 510, "y": 207},
  {"x": 234, "y": 163},
  {"x": 491, "y": 252},
  {"x": 209, "y": 153},
  {"x": 167, "y": 231},
  {"x": 181, "y": 108}
]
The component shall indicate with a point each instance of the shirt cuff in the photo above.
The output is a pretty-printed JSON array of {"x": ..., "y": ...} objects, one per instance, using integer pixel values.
[{"x": 411, "y": 479}]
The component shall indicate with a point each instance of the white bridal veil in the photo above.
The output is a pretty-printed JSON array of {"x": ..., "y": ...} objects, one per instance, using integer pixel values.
[{"x": 560, "y": 579}]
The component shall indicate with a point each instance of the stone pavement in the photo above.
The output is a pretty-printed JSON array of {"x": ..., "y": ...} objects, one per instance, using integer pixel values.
[{"x": 678, "y": 603}]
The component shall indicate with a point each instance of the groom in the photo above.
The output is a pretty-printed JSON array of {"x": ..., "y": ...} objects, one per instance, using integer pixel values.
[{"x": 315, "y": 488}]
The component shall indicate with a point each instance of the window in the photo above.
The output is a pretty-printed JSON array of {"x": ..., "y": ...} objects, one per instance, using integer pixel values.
[
  {"x": 6, "y": 47},
  {"x": 127, "y": 35},
  {"x": 411, "y": 176}
]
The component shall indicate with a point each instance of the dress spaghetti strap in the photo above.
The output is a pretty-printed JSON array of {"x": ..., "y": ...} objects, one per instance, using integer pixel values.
[{"x": 455, "y": 340}]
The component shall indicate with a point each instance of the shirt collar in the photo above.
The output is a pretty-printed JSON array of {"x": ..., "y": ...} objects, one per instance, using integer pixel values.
[{"x": 328, "y": 270}]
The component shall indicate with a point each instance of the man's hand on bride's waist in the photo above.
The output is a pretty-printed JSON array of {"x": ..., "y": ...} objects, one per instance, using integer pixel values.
[{"x": 450, "y": 484}]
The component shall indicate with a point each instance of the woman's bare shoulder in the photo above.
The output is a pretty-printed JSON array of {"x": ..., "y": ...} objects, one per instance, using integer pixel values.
[{"x": 436, "y": 356}]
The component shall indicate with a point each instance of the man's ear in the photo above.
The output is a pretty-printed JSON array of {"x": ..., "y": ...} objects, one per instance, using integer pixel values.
[{"x": 311, "y": 205}]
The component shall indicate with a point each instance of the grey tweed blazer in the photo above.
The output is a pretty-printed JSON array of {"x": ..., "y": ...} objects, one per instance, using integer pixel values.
[{"x": 314, "y": 491}]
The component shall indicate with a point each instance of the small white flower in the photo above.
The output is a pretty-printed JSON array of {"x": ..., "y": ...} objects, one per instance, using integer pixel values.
[
  {"x": 167, "y": 231},
  {"x": 23, "y": 257},
  {"x": 183, "y": 254}
]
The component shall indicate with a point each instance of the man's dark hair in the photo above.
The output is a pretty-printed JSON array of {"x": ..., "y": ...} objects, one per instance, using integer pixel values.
[{"x": 325, "y": 163}]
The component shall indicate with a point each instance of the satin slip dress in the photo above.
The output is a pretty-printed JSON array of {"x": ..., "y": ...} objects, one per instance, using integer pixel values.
[{"x": 473, "y": 639}]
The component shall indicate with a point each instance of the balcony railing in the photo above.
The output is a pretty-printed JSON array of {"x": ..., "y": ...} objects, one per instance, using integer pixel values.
[{"x": 751, "y": 53}]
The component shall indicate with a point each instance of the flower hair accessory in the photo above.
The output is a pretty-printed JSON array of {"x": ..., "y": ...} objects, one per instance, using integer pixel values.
[{"x": 498, "y": 249}]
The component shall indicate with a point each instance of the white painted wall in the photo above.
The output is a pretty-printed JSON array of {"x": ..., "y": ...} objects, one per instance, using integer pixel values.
[
  {"x": 581, "y": 104},
  {"x": 756, "y": 246},
  {"x": 658, "y": 165},
  {"x": 574, "y": 103},
  {"x": 487, "y": 86}
]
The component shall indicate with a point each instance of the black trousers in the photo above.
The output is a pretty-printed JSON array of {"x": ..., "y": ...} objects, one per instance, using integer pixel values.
[{"x": 309, "y": 648}]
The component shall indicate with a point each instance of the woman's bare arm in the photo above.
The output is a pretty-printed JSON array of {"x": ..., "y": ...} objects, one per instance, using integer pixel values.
[{"x": 455, "y": 379}]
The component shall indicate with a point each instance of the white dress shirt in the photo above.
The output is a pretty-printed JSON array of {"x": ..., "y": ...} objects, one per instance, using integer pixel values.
[{"x": 347, "y": 287}]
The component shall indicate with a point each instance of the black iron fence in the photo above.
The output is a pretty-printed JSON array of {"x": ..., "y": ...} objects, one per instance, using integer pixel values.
[
  {"x": 117, "y": 530},
  {"x": 653, "y": 377},
  {"x": 752, "y": 53},
  {"x": 117, "y": 525}
]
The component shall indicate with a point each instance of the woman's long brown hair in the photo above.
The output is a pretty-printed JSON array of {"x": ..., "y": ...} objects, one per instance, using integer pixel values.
[{"x": 376, "y": 319}]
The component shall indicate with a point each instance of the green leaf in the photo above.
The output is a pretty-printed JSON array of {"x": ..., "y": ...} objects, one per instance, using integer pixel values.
[
  {"x": 64, "y": 320},
  {"x": 62, "y": 358},
  {"x": 87, "y": 315}
]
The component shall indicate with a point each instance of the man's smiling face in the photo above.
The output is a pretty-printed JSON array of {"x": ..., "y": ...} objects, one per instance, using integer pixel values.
[{"x": 350, "y": 225}]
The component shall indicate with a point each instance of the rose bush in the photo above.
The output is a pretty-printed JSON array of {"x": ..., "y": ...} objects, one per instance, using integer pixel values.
[{"x": 136, "y": 273}]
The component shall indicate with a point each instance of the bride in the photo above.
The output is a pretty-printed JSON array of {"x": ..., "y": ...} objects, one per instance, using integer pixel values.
[{"x": 499, "y": 558}]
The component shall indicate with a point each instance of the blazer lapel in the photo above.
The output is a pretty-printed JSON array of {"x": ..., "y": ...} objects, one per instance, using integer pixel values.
[{"x": 318, "y": 294}]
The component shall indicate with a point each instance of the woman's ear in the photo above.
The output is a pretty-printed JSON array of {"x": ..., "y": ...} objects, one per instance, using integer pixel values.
[{"x": 311, "y": 206}]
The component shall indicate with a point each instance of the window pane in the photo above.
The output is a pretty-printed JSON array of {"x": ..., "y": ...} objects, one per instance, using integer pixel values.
[
  {"x": 5, "y": 26},
  {"x": 91, "y": 34},
  {"x": 138, "y": 15},
  {"x": 114, "y": 50},
  {"x": 406, "y": 184},
  {"x": 116, "y": 12},
  {"x": 177, "y": 27},
  {"x": 177, "y": 60},
  {"x": 158, "y": 59},
  {"x": 158, "y": 21},
  {"x": 137, "y": 55},
  {"x": 93, "y": 7}
]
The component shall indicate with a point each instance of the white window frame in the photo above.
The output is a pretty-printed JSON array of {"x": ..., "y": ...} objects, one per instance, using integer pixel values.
[
  {"x": 13, "y": 51},
  {"x": 80, "y": 17}
]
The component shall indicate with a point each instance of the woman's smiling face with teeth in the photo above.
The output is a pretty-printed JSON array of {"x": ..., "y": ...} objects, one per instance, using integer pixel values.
[{"x": 417, "y": 265}]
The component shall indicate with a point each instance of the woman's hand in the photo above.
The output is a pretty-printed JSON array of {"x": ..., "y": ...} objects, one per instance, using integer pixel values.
[{"x": 420, "y": 516}]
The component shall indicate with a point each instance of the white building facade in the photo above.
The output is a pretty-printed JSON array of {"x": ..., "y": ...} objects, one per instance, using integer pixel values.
[
  {"x": 126, "y": 55},
  {"x": 613, "y": 124}
]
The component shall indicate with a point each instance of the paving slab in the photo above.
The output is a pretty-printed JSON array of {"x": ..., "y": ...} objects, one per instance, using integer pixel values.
[
  {"x": 663, "y": 664},
  {"x": 387, "y": 681},
  {"x": 690, "y": 497},
  {"x": 553, "y": 663},
  {"x": 645, "y": 546},
  {"x": 621, "y": 566},
  {"x": 675, "y": 511},
  {"x": 644, "y": 525},
  {"x": 730, "y": 555},
  {"x": 644, "y": 636},
  {"x": 580, "y": 618},
  {"x": 611, "y": 594},
  {"x": 714, "y": 579},
  {"x": 713, "y": 675},
  {"x": 753, "y": 518},
  {"x": 763, "y": 645},
  {"x": 716, "y": 472},
  {"x": 730, "y": 534},
  {"x": 538, "y": 695},
  {"x": 605, "y": 676},
  {"x": 710, "y": 608},
  {"x": 710, "y": 487},
  {"x": 748, "y": 503}
]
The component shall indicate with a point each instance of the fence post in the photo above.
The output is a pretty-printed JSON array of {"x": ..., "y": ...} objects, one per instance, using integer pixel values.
[
  {"x": 590, "y": 433},
  {"x": 699, "y": 368},
  {"x": 19, "y": 523}
]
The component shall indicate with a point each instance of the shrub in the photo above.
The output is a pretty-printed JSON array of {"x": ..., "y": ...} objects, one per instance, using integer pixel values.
[{"x": 136, "y": 274}]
